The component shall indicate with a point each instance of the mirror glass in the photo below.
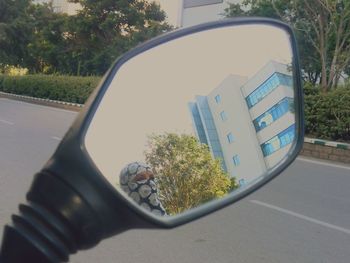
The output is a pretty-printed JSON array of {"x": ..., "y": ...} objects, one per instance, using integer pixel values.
[{"x": 197, "y": 118}]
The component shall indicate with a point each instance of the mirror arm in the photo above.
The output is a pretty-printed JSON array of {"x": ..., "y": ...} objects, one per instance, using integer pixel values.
[
  {"x": 54, "y": 223},
  {"x": 65, "y": 213}
]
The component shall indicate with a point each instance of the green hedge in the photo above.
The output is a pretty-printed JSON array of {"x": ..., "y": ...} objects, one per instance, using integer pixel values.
[
  {"x": 327, "y": 115},
  {"x": 63, "y": 88}
]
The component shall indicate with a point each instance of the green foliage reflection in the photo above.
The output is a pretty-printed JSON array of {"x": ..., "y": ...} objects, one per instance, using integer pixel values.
[{"x": 187, "y": 174}]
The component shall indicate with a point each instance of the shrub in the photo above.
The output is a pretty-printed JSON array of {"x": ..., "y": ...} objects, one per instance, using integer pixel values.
[
  {"x": 327, "y": 115},
  {"x": 63, "y": 88}
]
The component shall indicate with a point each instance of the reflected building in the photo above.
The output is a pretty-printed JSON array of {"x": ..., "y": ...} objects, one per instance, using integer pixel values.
[{"x": 248, "y": 123}]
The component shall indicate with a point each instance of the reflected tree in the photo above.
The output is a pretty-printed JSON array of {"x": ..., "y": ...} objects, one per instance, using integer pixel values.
[{"x": 187, "y": 174}]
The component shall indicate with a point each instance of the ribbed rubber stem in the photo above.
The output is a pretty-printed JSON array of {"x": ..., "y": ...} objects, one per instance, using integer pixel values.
[{"x": 37, "y": 235}]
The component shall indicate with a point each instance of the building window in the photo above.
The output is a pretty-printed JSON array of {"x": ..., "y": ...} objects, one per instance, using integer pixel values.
[
  {"x": 218, "y": 99},
  {"x": 223, "y": 116},
  {"x": 236, "y": 160},
  {"x": 230, "y": 138},
  {"x": 267, "y": 87},
  {"x": 279, "y": 141},
  {"x": 274, "y": 113}
]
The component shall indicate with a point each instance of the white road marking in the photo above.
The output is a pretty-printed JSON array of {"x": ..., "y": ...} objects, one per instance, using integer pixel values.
[
  {"x": 6, "y": 122},
  {"x": 56, "y": 138},
  {"x": 310, "y": 219},
  {"x": 325, "y": 163}
]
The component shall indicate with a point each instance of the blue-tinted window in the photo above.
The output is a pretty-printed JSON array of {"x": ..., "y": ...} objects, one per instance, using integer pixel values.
[
  {"x": 268, "y": 86},
  {"x": 236, "y": 160},
  {"x": 279, "y": 141},
  {"x": 230, "y": 137},
  {"x": 273, "y": 114},
  {"x": 210, "y": 125},
  {"x": 198, "y": 123},
  {"x": 223, "y": 116},
  {"x": 218, "y": 99}
]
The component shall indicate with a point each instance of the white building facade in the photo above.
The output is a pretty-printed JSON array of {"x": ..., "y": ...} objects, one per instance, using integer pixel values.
[
  {"x": 193, "y": 12},
  {"x": 248, "y": 123},
  {"x": 61, "y": 6}
]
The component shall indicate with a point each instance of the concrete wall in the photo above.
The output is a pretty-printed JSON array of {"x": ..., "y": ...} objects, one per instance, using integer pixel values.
[{"x": 333, "y": 151}]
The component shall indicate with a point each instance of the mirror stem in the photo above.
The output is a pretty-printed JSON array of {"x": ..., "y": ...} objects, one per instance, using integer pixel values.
[{"x": 54, "y": 223}]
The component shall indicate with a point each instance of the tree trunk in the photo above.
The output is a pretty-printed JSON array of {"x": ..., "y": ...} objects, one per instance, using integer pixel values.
[
  {"x": 333, "y": 69},
  {"x": 323, "y": 53},
  {"x": 336, "y": 80},
  {"x": 324, "y": 86}
]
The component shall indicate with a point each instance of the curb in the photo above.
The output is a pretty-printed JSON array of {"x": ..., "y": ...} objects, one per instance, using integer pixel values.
[
  {"x": 326, "y": 150},
  {"x": 46, "y": 102},
  {"x": 339, "y": 145}
]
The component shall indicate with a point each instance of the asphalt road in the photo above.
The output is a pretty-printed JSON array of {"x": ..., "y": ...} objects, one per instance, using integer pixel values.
[{"x": 302, "y": 216}]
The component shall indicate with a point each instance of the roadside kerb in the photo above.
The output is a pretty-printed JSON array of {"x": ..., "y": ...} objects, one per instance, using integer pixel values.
[
  {"x": 45, "y": 102},
  {"x": 327, "y": 150}
]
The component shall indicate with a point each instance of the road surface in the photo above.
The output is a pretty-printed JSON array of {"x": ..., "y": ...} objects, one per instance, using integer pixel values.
[{"x": 302, "y": 216}]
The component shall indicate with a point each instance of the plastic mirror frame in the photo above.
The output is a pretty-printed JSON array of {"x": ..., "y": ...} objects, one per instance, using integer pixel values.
[{"x": 80, "y": 127}]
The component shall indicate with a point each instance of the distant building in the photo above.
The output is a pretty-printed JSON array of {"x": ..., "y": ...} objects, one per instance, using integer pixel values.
[
  {"x": 61, "y": 6},
  {"x": 193, "y": 12},
  {"x": 248, "y": 123}
]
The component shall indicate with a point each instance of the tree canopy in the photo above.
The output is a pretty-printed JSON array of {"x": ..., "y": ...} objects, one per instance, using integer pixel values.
[
  {"x": 14, "y": 28},
  {"x": 34, "y": 36},
  {"x": 323, "y": 33},
  {"x": 187, "y": 174}
]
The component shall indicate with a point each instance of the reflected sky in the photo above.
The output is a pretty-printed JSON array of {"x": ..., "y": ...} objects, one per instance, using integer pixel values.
[{"x": 150, "y": 93}]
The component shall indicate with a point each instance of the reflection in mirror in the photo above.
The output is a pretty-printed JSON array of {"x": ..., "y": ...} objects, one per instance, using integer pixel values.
[{"x": 196, "y": 118}]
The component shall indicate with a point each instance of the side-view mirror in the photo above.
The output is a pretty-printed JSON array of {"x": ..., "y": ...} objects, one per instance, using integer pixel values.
[{"x": 180, "y": 126}]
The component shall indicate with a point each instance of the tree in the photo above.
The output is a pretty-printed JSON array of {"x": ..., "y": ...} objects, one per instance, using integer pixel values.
[
  {"x": 326, "y": 24},
  {"x": 187, "y": 174},
  {"x": 105, "y": 29},
  {"x": 15, "y": 31},
  {"x": 322, "y": 28},
  {"x": 274, "y": 9},
  {"x": 33, "y": 36},
  {"x": 47, "y": 48}
]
